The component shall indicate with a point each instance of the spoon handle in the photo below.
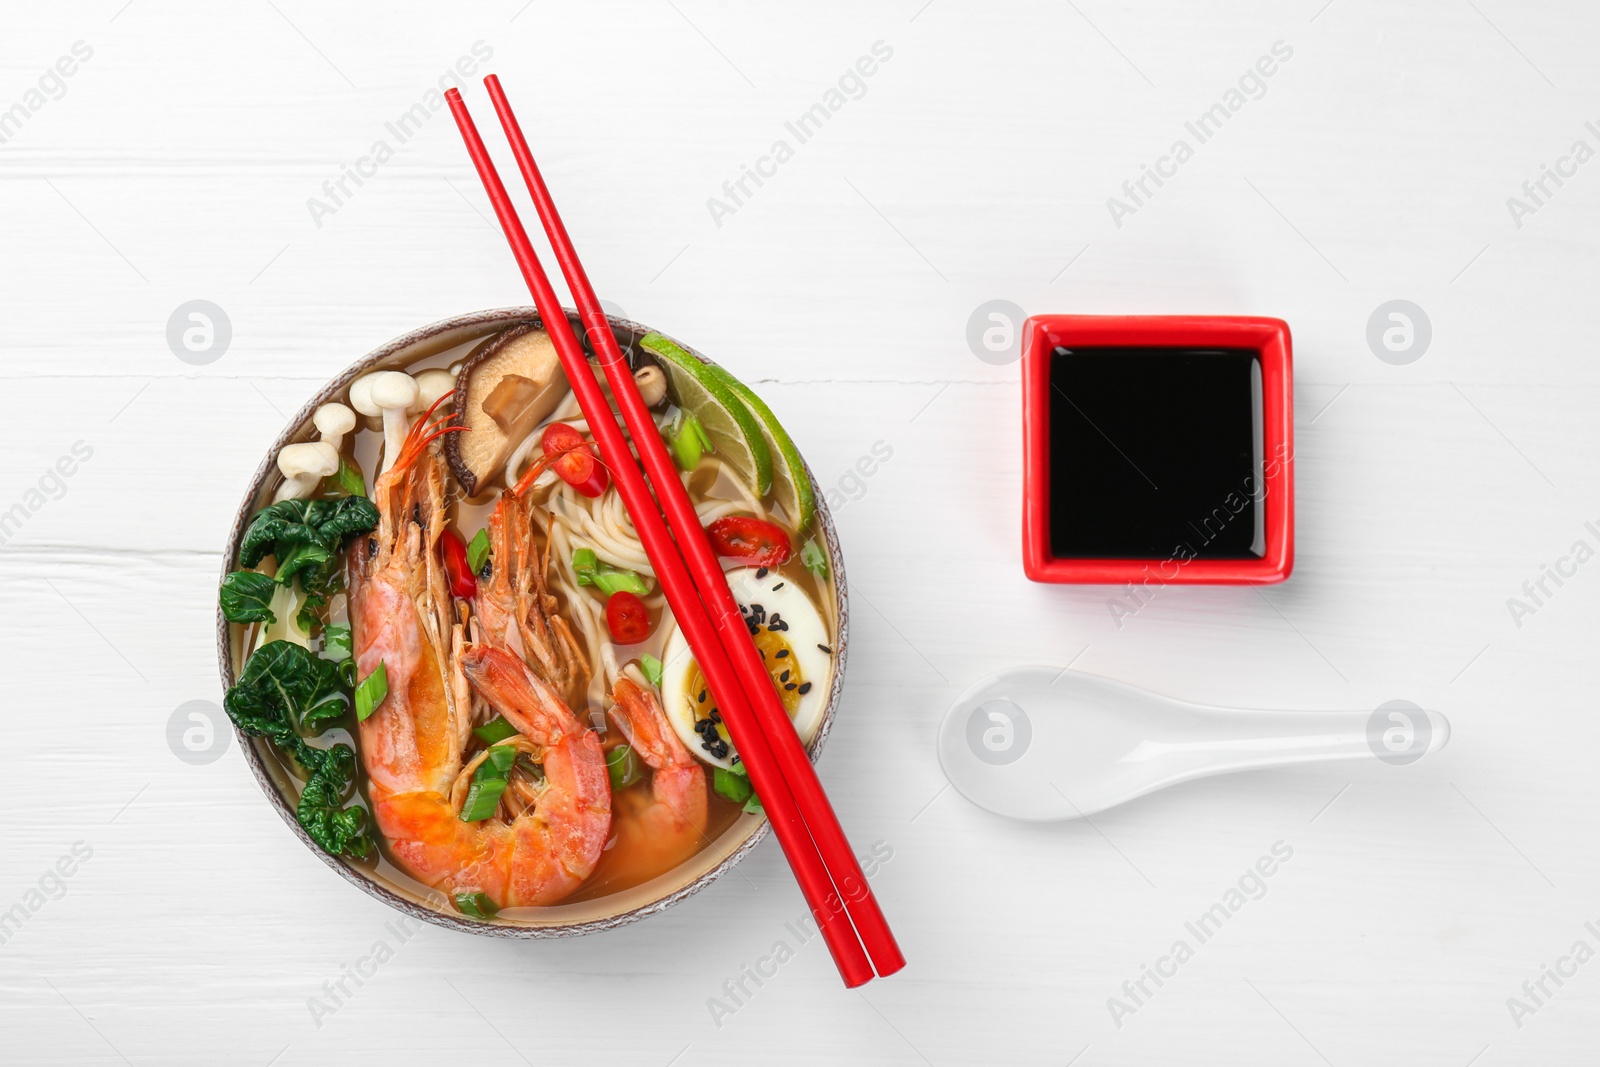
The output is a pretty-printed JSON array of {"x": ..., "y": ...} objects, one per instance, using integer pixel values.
[{"x": 1224, "y": 740}]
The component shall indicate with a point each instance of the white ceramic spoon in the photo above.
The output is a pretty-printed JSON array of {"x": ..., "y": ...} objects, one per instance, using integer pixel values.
[{"x": 1044, "y": 744}]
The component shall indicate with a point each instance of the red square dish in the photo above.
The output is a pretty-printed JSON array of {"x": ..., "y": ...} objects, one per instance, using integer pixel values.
[{"x": 1152, "y": 343}]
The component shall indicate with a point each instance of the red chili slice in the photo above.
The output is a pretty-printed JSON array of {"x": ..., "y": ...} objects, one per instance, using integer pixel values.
[
  {"x": 574, "y": 460},
  {"x": 627, "y": 618},
  {"x": 456, "y": 568},
  {"x": 742, "y": 537}
]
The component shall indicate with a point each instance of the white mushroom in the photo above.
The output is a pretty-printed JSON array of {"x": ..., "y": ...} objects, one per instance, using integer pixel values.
[
  {"x": 361, "y": 400},
  {"x": 333, "y": 421},
  {"x": 431, "y": 385},
  {"x": 652, "y": 384},
  {"x": 388, "y": 393},
  {"x": 304, "y": 466}
]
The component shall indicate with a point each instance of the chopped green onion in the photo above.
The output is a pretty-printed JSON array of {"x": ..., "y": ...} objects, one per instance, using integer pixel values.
[
  {"x": 753, "y": 806},
  {"x": 477, "y": 905},
  {"x": 652, "y": 670},
  {"x": 478, "y": 551},
  {"x": 488, "y": 782},
  {"x": 605, "y": 577},
  {"x": 814, "y": 558},
  {"x": 689, "y": 441},
  {"x": 610, "y": 581},
  {"x": 623, "y": 766},
  {"x": 336, "y": 643},
  {"x": 585, "y": 563},
  {"x": 731, "y": 786},
  {"x": 349, "y": 479},
  {"x": 370, "y": 693},
  {"x": 483, "y": 797},
  {"x": 495, "y": 730},
  {"x": 501, "y": 757}
]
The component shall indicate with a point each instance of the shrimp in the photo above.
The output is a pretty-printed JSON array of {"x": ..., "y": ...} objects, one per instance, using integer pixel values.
[
  {"x": 514, "y": 609},
  {"x": 671, "y": 825},
  {"x": 412, "y": 745}
]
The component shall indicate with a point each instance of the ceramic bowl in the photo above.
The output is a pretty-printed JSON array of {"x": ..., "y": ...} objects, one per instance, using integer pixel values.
[{"x": 385, "y": 882}]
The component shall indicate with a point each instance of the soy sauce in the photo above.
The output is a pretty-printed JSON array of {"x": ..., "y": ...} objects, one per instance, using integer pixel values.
[{"x": 1155, "y": 453}]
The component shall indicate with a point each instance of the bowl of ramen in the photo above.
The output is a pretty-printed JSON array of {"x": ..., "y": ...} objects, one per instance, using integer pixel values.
[{"x": 450, "y": 664}]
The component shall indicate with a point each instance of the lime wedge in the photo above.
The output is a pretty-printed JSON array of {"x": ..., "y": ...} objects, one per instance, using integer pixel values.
[
  {"x": 791, "y": 484},
  {"x": 734, "y": 432}
]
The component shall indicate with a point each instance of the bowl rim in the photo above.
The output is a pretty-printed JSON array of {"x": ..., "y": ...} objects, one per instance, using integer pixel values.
[{"x": 486, "y": 322}]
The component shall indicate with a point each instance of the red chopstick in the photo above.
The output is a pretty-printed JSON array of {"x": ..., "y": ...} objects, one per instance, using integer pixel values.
[
  {"x": 765, "y": 775},
  {"x": 793, "y": 761}
]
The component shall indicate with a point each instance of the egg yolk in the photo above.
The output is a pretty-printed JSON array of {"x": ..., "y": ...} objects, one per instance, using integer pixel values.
[{"x": 782, "y": 667}]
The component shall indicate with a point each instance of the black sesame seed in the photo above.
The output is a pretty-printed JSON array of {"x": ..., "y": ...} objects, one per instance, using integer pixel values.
[
  {"x": 784, "y": 677},
  {"x": 776, "y": 618},
  {"x": 805, "y": 687},
  {"x": 826, "y": 649},
  {"x": 762, "y": 573},
  {"x": 789, "y": 686},
  {"x": 782, "y": 652},
  {"x": 777, "y": 587},
  {"x": 781, "y": 627},
  {"x": 701, "y": 699},
  {"x": 715, "y": 716}
]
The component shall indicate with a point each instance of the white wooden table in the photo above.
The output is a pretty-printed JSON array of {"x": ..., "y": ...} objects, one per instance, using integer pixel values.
[{"x": 175, "y": 163}]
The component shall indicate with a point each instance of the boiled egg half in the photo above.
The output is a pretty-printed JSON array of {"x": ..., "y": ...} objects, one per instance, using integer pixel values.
[{"x": 794, "y": 643}]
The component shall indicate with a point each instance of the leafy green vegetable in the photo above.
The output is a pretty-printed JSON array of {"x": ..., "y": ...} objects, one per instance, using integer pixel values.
[
  {"x": 477, "y": 905},
  {"x": 370, "y": 693},
  {"x": 277, "y": 529},
  {"x": 488, "y": 782},
  {"x": 310, "y": 613},
  {"x": 652, "y": 670},
  {"x": 591, "y": 570},
  {"x": 338, "y": 829},
  {"x": 349, "y": 478},
  {"x": 478, "y": 551},
  {"x": 299, "y": 557},
  {"x": 495, "y": 730},
  {"x": 282, "y": 691},
  {"x": 246, "y": 596},
  {"x": 814, "y": 558},
  {"x": 688, "y": 439},
  {"x": 731, "y": 786},
  {"x": 624, "y": 767},
  {"x": 306, "y": 537}
]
